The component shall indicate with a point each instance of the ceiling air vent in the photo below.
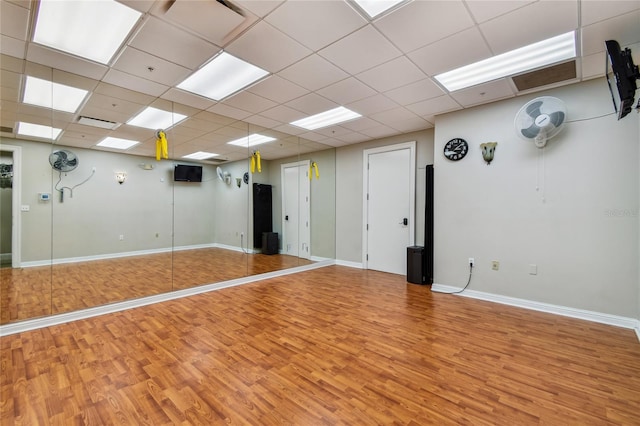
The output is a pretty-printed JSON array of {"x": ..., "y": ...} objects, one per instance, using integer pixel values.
[
  {"x": 212, "y": 19},
  {"x": 545, "y": 76},
  {"x": 96, "y": 122}
]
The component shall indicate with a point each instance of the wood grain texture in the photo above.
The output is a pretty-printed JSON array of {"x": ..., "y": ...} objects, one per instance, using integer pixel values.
[
  {"x": 329, "y": 346},
  {"x": 39, "y": 291}
]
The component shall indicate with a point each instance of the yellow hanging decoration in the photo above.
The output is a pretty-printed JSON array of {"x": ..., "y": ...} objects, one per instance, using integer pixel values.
[
  {"x": 162, "y": 147},
  {"x": 255, "y": 162},
  {"x": 314, "y": 166}
]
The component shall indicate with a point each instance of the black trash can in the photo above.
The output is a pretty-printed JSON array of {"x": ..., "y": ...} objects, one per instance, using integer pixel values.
[
  {"x": 270, "y": 244},
  {"x": 415, "y": 265}
]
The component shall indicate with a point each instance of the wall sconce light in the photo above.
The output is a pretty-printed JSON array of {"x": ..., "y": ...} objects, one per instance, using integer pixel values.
[{"x": 121, "y": 177}]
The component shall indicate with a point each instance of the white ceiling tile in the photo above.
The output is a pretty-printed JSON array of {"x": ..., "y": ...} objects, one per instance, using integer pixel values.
[
  {"x": 391, "y": 116},
  {"x": 10, "y": 80},
  {"x": 484, "y": 93},
  {"x": 460, "y": 49},
  {"x": 598, "y": 10},
  {"x": 134, "y": 83},
  {"x": 348, "y": 90},
  {"x": 360, "y": 124},
  {"x": 267, "y": 48},
  {"x": 229, "y": 111},
  {"x": 393, "y": 74},
  {"x": 62, "y": 61},
  {"x": 624, "y": 29},
  {"x": 312, "y": 104},
  {"x": 187, "y": 98},
  {"x": 415, "y": 92},
  {"x": 263, "y": 121},
  {"x": 118, "y": 106},
  {"x": 139, "y": 5},
  {"x": 357, "y": 52},
  {"x": 74, "y": 80},
  {"x": 483, "y": 10},
  {"x": 13, "y": 47},
  {"x": 105, "y": 114},
  {"x": 149, "y": 67},
  {"x": 167, "y": 42},
  {"x": 214, "y": 118},
  {"x": 9, "y": 93},
  {"x": 14, "y": 20},
  {"x": 200, "y": 124},
  {"x": 380, "y": 131},
  {"x": 422, "y": 22},
  {"x": 313, "y": 73},
  {"x": 289, "y": 129},
  {"x": 11, "y": 63},
  {"x": 530, "y": 24},
  {"x": 411, "y": 124},
  {"x": 259, "y": 8},
  {"x": 249, "y": 102},
  {"x": 277, "y": 89},
  {"x": 316, "y": 24},
  {"x": 372, "y": 105},
  {"x": 435, "y": 106},
  {"x": 122, "y": 93},
  {"x": 592, "y": 66},
  {"x": 283, "y": 114}
]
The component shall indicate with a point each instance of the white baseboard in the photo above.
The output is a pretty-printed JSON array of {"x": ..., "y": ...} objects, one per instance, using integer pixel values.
[
  {"x": 615, "y": 320},
  {"x": 357, "y": 265},
  {"x": 32, "y": 324}
]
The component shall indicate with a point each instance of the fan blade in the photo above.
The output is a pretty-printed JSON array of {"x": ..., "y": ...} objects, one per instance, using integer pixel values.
[
  {"x": 531, "y": 132},
  {"x": 534, "y": 109},
  {"x": 556, "y": 118}
]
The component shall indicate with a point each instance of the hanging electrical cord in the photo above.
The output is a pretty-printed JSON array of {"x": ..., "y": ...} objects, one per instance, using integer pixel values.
[
  {"x": 70, "y": 188},
  {"x": 464, "y": 288}
]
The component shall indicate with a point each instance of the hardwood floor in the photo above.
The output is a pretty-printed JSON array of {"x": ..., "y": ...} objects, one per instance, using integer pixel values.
[
  {"x": 334, "y": 345},
  {"x": 39, "y": 291}
]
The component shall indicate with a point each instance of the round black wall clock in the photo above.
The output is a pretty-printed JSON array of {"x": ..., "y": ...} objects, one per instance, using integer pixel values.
[{"x": 456, "y": 149}]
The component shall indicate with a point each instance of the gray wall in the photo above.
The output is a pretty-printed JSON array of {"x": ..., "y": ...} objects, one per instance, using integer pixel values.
[
  {"x": 580, "y": 228},
  {"x": 349, "y": 191}
]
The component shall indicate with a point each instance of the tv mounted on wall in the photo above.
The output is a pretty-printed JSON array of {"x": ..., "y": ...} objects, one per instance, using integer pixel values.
[
  {"x": 187, "y": 173},
  {"x": 622, "y": 74}
]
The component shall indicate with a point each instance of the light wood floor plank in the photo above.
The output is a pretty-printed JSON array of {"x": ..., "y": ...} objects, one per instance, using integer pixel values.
[{"x": 330, "y": 346}]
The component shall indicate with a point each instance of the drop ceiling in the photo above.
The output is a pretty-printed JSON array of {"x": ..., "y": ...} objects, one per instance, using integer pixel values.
[{"x": 319, "y": 55}]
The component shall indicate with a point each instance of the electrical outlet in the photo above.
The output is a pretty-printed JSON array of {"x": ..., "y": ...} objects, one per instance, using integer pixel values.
[
  {"x": 495, "y": 265},
  {"x": 471, "y": 261},
  {"x": 121, "y": 237}
]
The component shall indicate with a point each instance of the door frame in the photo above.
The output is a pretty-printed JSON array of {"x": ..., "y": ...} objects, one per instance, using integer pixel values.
[
  {"x": 16, "y": 200},
  {"x": 304, "y": 164},
  {"x": 365, "y": 186}
]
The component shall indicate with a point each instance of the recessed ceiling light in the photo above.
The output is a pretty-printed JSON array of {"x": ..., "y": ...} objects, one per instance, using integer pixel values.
[
  {"x": 374, "y": 8},
  {"x": 546, "y": 52},
  {"x": 223, "y": 75},
  {"x": 154, "y": 118},
  {"x": 38, "y": 130},
  {"x": 117, "y": 143},
  {"x": 52, "y": 95},
  {"x": 200, "y": 155},
  {"x": 251, "y": 140},
  {"x": 90, "y": 29},
  {"x": 327, "y": 118}
]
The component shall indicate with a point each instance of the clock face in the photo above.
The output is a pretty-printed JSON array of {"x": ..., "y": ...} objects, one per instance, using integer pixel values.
[{"x": 456, "y": 149}]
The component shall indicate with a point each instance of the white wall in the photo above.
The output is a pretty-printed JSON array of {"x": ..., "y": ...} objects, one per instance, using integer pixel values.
[
  {"x": 349, "y": 191},
  {"x": 580, "y": 228}
]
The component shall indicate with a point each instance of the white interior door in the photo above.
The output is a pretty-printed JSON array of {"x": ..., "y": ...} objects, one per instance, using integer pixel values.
[
  {"x": 296, "y": 217},
  {"x": 389, "y": 207}
]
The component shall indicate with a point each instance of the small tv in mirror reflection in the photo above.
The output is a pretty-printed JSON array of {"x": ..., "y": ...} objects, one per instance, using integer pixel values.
[{"x": 187, "y": 173}]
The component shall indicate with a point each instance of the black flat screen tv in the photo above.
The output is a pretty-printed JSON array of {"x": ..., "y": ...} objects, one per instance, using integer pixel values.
[
  {"x": 622, "y": 74},
  {"x": 187, "y": 173}
]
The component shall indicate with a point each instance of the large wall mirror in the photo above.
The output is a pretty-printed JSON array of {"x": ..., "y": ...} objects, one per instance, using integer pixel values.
[{"x": 86, "y": 225}]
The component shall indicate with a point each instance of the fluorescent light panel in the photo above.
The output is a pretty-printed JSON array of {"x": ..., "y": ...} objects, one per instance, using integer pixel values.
[
  {"x": 327, "y": 118},
  {"x": 374, "y": 8},
  {"x": 89, "y": 29},
  {"x": 154, "y": 118},
  {"x": 117, "y": 143},
  {"x": 57, "y": 96},
  {"x": 38, "y": 130},
  {"x": 546, "y": 52},
  {"x": 223, "y": 75},
  {"x": 252, "y": 140},
  {"x": 200, "y": 155}
]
